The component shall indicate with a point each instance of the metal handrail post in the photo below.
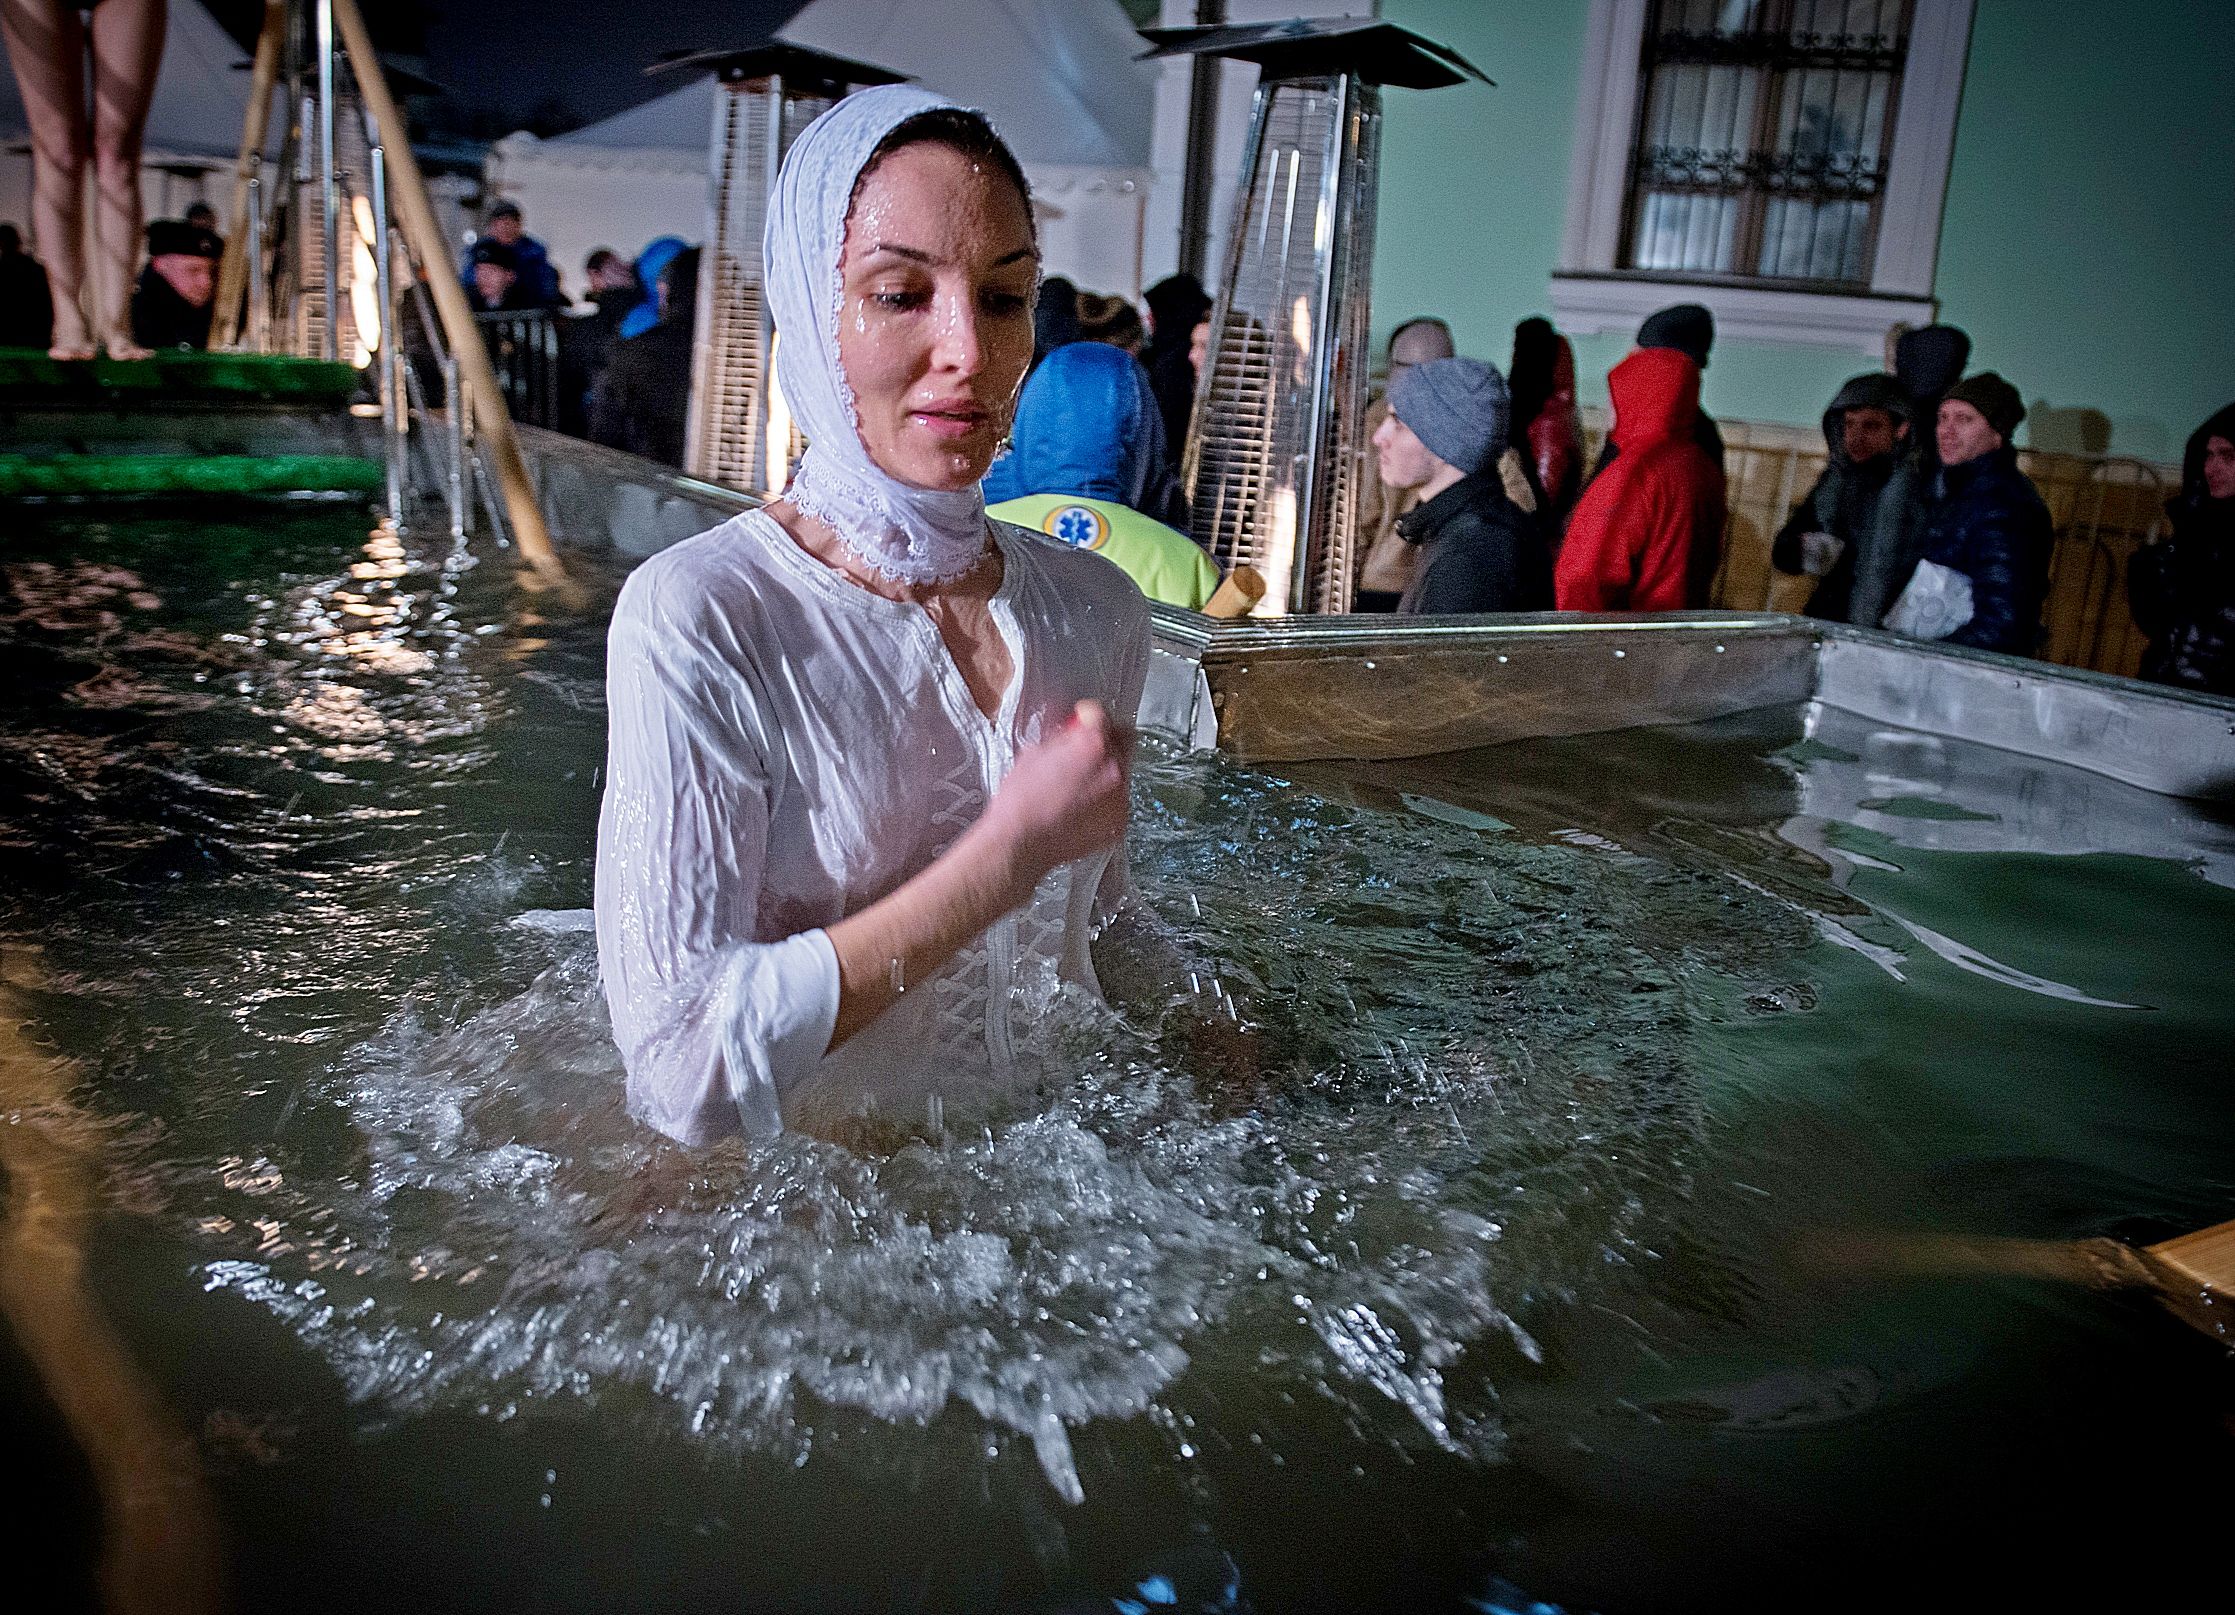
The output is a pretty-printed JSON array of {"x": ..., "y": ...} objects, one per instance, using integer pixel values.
[
  {"x": 395, "y": 410},
  {"x": 423, "y": 233},
  {"x": 453, "y": 409},
  {"x": 329, "y": 186},
  {"x": 259, "y": 278},
  {"x": 239, "y": 255}
]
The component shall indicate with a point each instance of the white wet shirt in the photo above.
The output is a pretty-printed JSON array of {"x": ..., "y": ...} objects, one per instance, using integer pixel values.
[{"x": 785, "y": 748}]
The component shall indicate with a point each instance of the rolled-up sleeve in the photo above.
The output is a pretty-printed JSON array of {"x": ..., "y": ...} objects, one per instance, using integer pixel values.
[{"x": 715, "y": 1023}]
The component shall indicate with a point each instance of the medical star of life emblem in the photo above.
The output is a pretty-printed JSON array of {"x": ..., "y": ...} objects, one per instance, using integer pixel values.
[{"x": 1078, "y": 526}]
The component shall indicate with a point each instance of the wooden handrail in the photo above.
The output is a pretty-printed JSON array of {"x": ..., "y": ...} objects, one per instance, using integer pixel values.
[
  {"x": 408, "y": 192},
  {"x": 233, "y": 267},
  {"x": 1239, "y": 590}
]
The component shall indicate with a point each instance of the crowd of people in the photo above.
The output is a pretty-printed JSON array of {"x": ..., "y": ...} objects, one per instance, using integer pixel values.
[{"x": 1922, "y": 522}]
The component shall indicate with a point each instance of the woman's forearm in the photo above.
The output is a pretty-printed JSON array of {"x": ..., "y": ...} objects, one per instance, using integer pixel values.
[{"x": 899, "y": 940}]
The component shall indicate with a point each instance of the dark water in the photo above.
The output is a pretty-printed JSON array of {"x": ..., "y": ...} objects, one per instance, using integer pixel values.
[{"x": 1596, "y": 1073}]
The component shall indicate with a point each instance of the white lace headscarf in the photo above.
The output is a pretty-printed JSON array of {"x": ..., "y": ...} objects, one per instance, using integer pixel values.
[{"x": 910, "y": 534}]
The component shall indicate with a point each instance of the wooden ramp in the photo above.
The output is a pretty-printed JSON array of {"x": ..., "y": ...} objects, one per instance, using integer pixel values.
[
  {"x": 2196, "y": 1278},
  {"x": 2193, "y": 1275}
]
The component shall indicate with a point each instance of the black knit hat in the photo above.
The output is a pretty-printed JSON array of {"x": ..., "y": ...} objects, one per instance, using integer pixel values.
[
  {"x": 1992, "y": 397},
  {"x": 1689, "y": 328},
  {"x": 486, "y": 251},
  {"x": 169, "y": 237}
]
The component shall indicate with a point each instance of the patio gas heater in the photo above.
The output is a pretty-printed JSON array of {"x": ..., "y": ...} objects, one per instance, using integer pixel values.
[
  {"x": 1275, "y": 449},
  {"x": 737, "y": 431}
]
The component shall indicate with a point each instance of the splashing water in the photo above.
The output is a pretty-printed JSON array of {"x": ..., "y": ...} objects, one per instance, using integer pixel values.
[{"x": 513, "y": 1240}]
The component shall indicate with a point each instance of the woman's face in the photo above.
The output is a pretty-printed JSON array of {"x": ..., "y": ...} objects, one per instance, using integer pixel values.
[{"x": 935, "y": 321}]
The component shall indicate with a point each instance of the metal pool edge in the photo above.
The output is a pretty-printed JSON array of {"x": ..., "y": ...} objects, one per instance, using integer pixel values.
[
  {"x": 1305, "y": 689},
  {"x": 1310, "y": 688}
]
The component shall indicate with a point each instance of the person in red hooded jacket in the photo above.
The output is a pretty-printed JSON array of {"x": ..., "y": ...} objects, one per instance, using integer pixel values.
[{"x": 1647, "y": 534}]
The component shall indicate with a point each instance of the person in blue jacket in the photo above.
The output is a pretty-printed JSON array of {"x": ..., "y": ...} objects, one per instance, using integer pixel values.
[
  {"x": 538, "y": 285},
  {"x": 1985, "y": 518},
  {"x": 1087, "y": 468},
  {"x": 1092, "y": 428},
  {"x": 651, "y": 263}
]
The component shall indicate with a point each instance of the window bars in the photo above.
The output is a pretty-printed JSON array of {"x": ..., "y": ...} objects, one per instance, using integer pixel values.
[{"x": 1765, "y": 138}]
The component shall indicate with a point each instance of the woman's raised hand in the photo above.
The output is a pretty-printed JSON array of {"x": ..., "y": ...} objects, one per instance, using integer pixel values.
[{"x": 1065, "y": 797}]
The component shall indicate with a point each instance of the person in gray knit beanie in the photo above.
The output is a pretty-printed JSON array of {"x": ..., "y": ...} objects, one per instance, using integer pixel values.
[
  {"x": 1457, "y": 408},
  {"x": 1478, "y": 549}
]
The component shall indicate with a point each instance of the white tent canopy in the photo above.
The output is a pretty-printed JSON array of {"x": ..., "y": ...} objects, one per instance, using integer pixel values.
[
  {"x": 1057, "y": 77},
  {"x": 193, "y": 124}
]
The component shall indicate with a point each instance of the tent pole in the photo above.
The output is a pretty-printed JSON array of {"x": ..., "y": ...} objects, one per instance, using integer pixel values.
[
  {"x": 424, "y": 236},
  {"x": 234, "y": 268}
]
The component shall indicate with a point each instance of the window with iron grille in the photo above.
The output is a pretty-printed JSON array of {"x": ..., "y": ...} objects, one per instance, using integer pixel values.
[{"x": 1764, "y": 139}]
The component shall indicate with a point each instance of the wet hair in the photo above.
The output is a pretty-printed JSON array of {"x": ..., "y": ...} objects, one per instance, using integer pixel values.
[{"x": 958, "y": 130}]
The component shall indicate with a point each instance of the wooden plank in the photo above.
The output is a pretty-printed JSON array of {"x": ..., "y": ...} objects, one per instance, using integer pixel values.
[{"x": 2195, "y": 1276}]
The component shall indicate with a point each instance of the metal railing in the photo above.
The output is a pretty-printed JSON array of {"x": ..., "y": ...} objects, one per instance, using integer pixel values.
[
  {"x": 327, "y": 272},
  {"x": 523, "y": 349}
]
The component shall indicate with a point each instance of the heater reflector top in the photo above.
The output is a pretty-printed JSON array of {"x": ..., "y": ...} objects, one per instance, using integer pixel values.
[{"x": 1314, "y": 47}]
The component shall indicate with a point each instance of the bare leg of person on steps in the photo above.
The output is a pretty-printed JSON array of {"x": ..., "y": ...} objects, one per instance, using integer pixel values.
[
  {"x": 127, "y": 37},
  {"x": 46, "y": 43}
]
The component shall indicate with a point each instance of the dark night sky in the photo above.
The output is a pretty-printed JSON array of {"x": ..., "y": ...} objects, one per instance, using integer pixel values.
[
  {"x": 589, "y": 54},
  {"x": 505, "y": 58}
]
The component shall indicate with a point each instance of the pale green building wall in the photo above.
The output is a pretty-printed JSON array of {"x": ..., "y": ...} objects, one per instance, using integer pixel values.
[{"x": 2089, "y": 222}]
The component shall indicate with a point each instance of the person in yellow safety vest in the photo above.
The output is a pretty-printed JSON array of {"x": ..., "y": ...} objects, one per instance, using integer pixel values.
[{"x": 1087, "y": 465}]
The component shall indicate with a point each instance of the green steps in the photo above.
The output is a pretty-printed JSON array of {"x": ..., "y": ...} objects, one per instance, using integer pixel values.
[
  {"x": 181, "y": 425},
  {"x": 146, "y": 476},
  {"x": 31, "y": 380}
]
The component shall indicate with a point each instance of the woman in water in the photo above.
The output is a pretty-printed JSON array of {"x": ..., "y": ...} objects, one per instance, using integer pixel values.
[
  {"x": 50, "y": 42},
  {"x": 867, "y": 782}
]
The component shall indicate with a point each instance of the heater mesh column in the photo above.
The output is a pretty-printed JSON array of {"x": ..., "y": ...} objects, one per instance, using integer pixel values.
[
  {"x": 755, "y": 122},
  {"x": 1273, "y": 462}
]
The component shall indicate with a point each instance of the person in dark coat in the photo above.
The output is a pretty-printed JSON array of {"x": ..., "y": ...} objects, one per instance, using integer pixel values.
[
  {"x": 1055, "y": 317},
  {"x": 1442, "y": 438},
  {"x": 496, "y": 284},
  {"x": 1177, "y": 304},
  {"x": 539, "y": 281},
  {"x": 643, "y": 403},
  {"x": 1868, "y": 502},
  {"x": 2182, "y": 588},
  {"x": 171, "y": 304},
  {"x": 1386, "y": 563},
  {"x": 586, "y": 341},
  {"x": 26, "y": 301},
  {"x": 1547, "y": 427},
  {"x": 1985, "y": 519},
  {"x": 1927, "y": 362}
]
